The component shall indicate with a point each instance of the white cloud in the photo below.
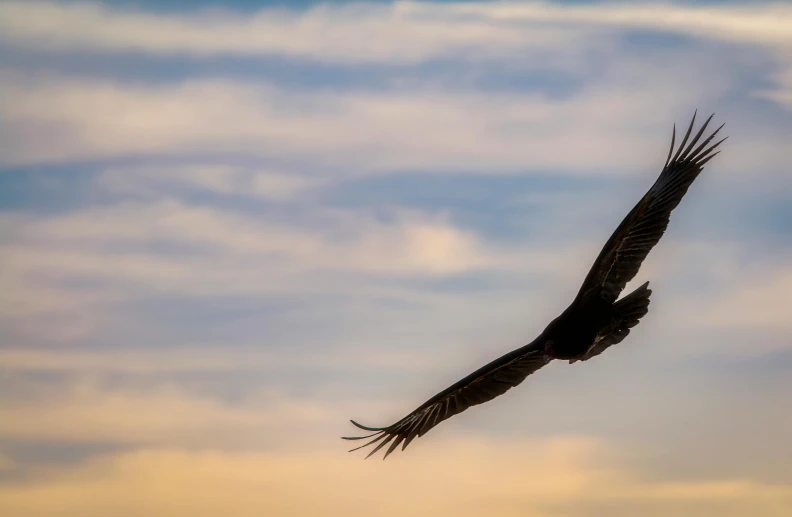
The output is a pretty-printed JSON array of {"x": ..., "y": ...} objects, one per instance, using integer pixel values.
[
  {"x": 70, "y": 270},
  {"x": 366, "y": 287},
  {"x": 323, "y": 32},
  {"x": 74, "y": 270},
  {"x": 413, "y": 243},
  {"x": 373, "y": 33},
  {"x": 416, "y": 123},
  {"x": 613, "y": 125},
  {"x": 155, "y": 181},
  {"x": 781, "y": 93},
  {"x": 763, "y": 23},
  {"x": 761, "y": 303}
]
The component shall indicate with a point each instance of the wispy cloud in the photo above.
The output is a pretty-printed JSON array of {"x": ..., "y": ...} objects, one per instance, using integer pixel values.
[
  {"x": 86, "y": 413},
  {"x": 418, "y": 122},
  {"x": 222, "y": 233},
  {"x": 206, "y": 359},
  {"x": 72, "y": 269},
  {"x": 334, "y": 32},
  {"x": 572, "y": 475},
  {"x": 612, "y": 126},
  {"x": 410, "y": 243},
  {"x": 226, "y": 180}
]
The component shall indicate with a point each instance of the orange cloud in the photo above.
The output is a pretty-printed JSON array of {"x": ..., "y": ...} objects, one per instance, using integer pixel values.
[{"x": 561, "y": 476}]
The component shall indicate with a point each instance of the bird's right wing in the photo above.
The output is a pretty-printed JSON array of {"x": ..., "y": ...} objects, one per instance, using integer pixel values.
[
  {"x": 483, "y": 385},
  {"x": 625, "y": 251}
]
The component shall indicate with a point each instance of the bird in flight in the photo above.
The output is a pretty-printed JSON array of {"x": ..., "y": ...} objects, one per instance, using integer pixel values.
[{"x": 595, "y": 320}]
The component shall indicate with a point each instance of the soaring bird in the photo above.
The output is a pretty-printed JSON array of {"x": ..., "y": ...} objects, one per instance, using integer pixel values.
[{"x": 595, "y": 320}]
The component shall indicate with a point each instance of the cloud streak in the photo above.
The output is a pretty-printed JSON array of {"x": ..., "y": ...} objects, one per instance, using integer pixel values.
[
  {"x": 571, "y": 475},
  {"x": 334, "y": 32},
  {"x": 604, "y": 128},
  {"x": 222, "y": 233},
  {"x": 419, "y": 121}
]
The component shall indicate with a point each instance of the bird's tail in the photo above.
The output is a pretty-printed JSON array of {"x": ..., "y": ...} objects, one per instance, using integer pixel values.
[
  {"x": 630, "y": 309},
  {"x": 627, "y": 312}
]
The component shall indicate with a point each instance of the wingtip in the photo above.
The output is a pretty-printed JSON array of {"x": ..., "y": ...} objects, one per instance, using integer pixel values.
[
  {"x": 367, "y": 428},
  {"x": 352, "y": 438}
]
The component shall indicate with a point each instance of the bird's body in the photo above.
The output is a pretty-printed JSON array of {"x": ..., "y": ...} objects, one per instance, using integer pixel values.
[
  {"x": 572, "y": 333},
  {"x": 595, "y": 320}
]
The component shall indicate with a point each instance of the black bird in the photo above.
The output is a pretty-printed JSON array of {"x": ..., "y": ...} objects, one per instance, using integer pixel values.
[{"x": 595, "y": 320}]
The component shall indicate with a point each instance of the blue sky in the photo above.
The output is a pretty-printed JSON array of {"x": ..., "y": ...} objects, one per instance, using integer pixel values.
[{"x": 227, "y": 231}]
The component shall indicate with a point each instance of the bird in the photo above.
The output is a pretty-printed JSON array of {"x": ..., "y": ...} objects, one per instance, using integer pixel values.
[{"x": 595, "y": 320}]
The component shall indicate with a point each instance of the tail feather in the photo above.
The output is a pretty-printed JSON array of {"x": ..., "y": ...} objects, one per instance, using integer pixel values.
[
  {"x": 627, "y": 312},
  {"x": 630, "y": 309}
]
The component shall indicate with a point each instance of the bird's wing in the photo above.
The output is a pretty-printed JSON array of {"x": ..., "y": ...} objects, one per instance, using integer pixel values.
[
  {"x": 483, "y": 385},
  {"x": 623, "y": 253}
]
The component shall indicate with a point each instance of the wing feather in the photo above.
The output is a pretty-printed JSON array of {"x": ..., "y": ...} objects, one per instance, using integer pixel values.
[
  {"x": 641, "y": 230},
  {"x": 481, "y": 386}
]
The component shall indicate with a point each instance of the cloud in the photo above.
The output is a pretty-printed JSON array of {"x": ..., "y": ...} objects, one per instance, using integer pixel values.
[
  {"x": 615, "y": 124},
  {"x": 205, "y": 302},
  {"x": 153, "y": 181},
  {"x": 760, "y": 303},
  {"x": 80, "y": 271},
  {"x": 604, "y": 128},
  {"x": 87, "y": 412},
  {"x": 409, "y": 243},
  {"x": 609, "y": 122},
  {"x": 325, "y": 32},
  {"x": 335, "y": 33},
  {"x": 781, "y": 93},
  {"x": 75, "y": 270},
  {"x": 758, "y": 24},
  {"x": 569, "y": 475},
  {"x": 230, "y": 358},
  {"x": 733, "y": 290}
]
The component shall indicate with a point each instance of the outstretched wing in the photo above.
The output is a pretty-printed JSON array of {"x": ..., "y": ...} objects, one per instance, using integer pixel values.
[
  {"x": 622, "y": 255},
  {"x": 483, "y": 385}
]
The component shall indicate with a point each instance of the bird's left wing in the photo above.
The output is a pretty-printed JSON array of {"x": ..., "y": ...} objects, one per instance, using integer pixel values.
[{"x": 483, "y": 385}]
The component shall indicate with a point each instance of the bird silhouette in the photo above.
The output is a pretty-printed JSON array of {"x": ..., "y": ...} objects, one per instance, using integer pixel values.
[{"x": 595, "y": 320}]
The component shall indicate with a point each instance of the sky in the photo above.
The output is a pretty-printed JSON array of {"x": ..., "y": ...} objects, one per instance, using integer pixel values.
[{"x": 227, "y": 229}]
